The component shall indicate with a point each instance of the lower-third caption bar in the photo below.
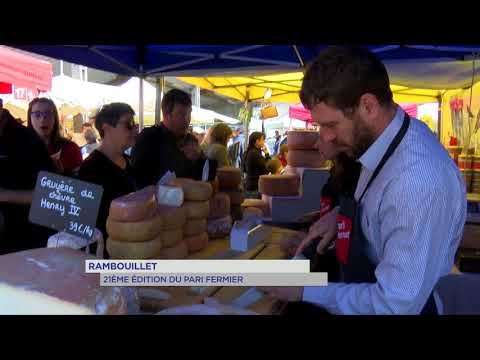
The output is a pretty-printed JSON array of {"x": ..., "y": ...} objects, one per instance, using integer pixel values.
[{"x": 218, "y": 279}]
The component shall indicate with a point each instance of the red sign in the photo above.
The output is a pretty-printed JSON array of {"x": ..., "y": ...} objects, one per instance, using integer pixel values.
[{"x": 342, "y": 244}]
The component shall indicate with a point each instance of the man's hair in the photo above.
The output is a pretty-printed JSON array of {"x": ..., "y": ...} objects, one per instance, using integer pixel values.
[
  {"x": 220, "y": 133},
  {"x": 341, "y": 75},
  {"x": 175, "y": 96},
  {"x": 111, "y": 114}
]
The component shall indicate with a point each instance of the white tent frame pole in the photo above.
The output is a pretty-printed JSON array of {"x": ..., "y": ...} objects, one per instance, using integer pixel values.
[{"x": 159, "y": 92}]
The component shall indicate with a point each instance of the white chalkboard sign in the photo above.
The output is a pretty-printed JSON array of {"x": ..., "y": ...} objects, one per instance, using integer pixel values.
[{"x": 66, "y": 204}]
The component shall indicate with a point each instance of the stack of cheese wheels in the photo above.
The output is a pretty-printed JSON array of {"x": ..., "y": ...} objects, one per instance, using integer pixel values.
[
  {"x": 219, "y": 221},
  {"x": 301, "y": 150},
  {"x": 260, "y": 207},
  {"x": 277, "y": 186},
  {"x": 197, "y": 208},
  {"x": 134, "y": 226},
  {"x": 229, "y": 179}
]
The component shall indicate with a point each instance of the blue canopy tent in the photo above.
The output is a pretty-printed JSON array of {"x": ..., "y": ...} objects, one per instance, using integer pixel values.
[{"x": 418, "y": 66}]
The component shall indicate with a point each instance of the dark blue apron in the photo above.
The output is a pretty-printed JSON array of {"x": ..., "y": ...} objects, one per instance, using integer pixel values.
[{"x": 355, "y": 264}]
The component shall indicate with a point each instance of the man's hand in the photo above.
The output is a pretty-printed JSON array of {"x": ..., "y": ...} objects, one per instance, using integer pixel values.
[
  {"x": 290, "y": 243},
  {"x": 192, "y": 151},
  {"x": 325, "y": 227},
  {"x": 286, "y": 293}
]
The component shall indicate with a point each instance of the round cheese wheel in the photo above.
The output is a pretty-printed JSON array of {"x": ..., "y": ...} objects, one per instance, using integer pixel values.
[
  {"x": 173, "y": 217},
  {"x": 196, "y": 242},
  {"x": 302, "y": 140},
  {"x": 219, "y": 206},
  {"x": 197, "y": 209},
  {"x": 134, "y": 250},
  {"x": 305, "y": 158},
  {"x": 194, "y": 190},
  {"x": 195, "y": 227},
  {"x": 252, "y": 211},
  {"x": 215, "y": 186},
  {"x": 179, "y": 251},
  {"x": 171, "y": 237},
  {"x": 135, "y": 206},
  {"x": 236, "y": 196},
  {"x": 279, "y": 185},
  {"x": 219, "y": 228},
  {"x": 257, "y": 203},
  {"x": 229, "y": 177},
  {"x": 135, "y": 231}
]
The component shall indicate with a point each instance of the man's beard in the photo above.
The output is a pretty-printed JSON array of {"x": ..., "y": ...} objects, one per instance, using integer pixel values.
[{"x": 364, "y": 137}]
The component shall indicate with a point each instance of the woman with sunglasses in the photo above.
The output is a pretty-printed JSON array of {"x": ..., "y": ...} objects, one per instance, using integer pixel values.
[
  {"x": 43, "y": 117},
  {"x": 108, "y": 165}
]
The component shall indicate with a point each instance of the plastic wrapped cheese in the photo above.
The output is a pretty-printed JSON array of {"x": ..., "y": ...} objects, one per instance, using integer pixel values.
[
  {"x": 219, "y": 228},
  {"x": 194, "y": 190},
  {"x": 134, "y": 206},
  {"x": 53, "y": 281},
  {"x": 279, "y": 185},
  {"x": 229, "y": 177},
  {"x": 135, "y": 231},
  {"x": 170, "y": 195},
  {"x": 302, "y": 140},
  {"x": 134, "y": 250}
]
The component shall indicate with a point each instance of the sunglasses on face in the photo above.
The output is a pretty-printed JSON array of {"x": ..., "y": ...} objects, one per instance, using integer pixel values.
[{"x": 40, "y": 114}]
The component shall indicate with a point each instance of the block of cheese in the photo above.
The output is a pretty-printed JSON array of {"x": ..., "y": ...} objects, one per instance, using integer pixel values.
[
  {"x": 135, "y": 206},
  {"x": 197, "y": 209},
  {"x": 134, "y": 250},
  {"x": 305, "y": 158},
  {"x": 236, "y": 196},
  {"x": 302, "y": 140},
  {"x": 279, "y": 185},
  {"x": 196, "y": 242},
  {"x": 170, "y": 195},
  {"x": 173, "y": 217},
  {"x": 135, "y": 231},
  {"x": 219, "y": 206},
  {"x": 195, "y": 227},
  {"x": 171, "y": 237},
  {"x": 194, "y": 190},
  {"x": 179, "y": 251},
  {"x": 257, "y": 203},
  {"x": 53, "y": 281},
  {"x": 215, "y": 185},
  {"x": 252, "y": 211},
  {"x": 229, "y": 177},
  {"x": 219, "y": 228}
]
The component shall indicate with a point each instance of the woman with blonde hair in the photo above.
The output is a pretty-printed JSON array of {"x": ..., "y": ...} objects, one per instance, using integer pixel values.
[{"x": 217, "y": 144}]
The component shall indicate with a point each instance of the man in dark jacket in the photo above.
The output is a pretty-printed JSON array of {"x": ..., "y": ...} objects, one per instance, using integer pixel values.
[{"x": 161, "y": 148}]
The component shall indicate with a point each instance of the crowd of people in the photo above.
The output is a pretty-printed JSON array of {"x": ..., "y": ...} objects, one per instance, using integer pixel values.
[
  {"x": 121, "y": 161},
  {"x": 393, "y": 210}
]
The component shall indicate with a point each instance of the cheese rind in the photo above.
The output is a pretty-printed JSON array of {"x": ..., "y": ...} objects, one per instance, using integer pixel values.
[
  {"x": 135, "y": 206},
  {"x": 305, "y": 158},
  {"x": 179, "y": 251},
  {"x": 134, "y": 250},
  {"x": 171, "y": 237},
  {"x": 219, "y": 206},
  {"x": 197, "y": 209},
  {"x": 194, "y": 190},
  {"x": 302, "y": 140},
  {"x": 173, "y": 217},
  {"x": 229, "y": 177},
  {"x": 196, "y": 242},
  {"x": 138, "y": 231},
  {"x": 279, "y": 185},
  {"x": 195, "y": 227}
]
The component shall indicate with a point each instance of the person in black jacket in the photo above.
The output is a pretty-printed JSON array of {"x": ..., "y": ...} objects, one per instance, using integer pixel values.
[
  {"x": 255, "y": 163},
  {"x": 22, "y": 156},
  {"x": 163, "y": 148}
]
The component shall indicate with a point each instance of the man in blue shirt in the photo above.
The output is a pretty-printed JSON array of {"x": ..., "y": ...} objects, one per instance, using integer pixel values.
[{"x": 400, "y": 232}]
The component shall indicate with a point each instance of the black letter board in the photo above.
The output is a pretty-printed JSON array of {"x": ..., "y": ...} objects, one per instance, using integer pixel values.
[{"x": 65, "y": 204}]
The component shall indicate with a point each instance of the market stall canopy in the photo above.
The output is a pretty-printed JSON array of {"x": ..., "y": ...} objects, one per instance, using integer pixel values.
[
  {"x": 27, "y": 74},
  {"x": 286, "y": 87},
  {"x": 414, "y": 66}
]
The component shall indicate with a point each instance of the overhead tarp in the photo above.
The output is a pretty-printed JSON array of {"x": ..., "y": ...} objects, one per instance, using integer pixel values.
[
  {"x": 28, "y": 75},
  {"x": 286, "y": 87},
  {"x": 413, "y": 66}
]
